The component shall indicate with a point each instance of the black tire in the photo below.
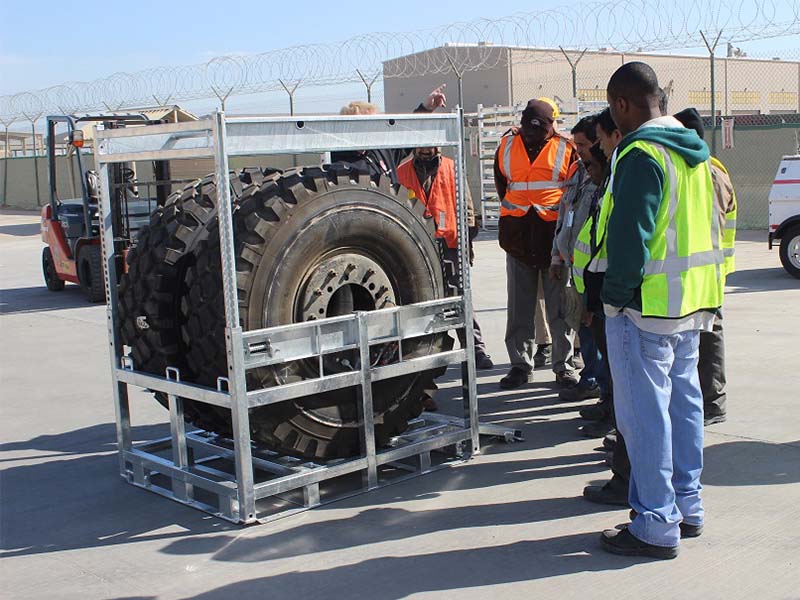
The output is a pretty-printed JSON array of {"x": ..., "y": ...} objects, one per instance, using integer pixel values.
[
  {"x": 790, "y": 251},
  {"x": 90, "y": 273},
  {"x": 51, "y": 279},
  {"x": 284, "y": 232},
  {"x": 150, "y": 292}
]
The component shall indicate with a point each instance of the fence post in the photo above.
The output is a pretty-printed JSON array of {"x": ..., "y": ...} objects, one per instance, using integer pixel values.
[
  {"x": 711, "y": 50},
  {"x": 367, "y": 84},
  {"x": 574, "y": 67},
  {"x": 6, "y": 124},
  {"x": 291, "y": 107}
]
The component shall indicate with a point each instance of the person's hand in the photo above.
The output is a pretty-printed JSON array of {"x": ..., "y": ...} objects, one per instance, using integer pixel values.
[
  {"x": 556, "y": 272},
  {"x": 436, "y": 99},
  {"x": 587, "y": 317}
]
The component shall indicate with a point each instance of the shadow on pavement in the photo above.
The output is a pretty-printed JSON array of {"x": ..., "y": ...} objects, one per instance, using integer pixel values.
[
  {"x": 749, "y": 462},
  {"x": 80, "y": 501},
  {"x": 395, "y": 577},
  {"x": 767, "y": 279},
  {"x": 377, "y": 525},
  {"x": 21, "y": 230},
  {"x": 39, "y": 299}
]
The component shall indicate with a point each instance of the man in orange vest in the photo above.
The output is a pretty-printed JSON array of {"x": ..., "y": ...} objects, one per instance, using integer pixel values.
[
  {"x": 530, "y": 172},
  {"x": 431, "y": 177}
]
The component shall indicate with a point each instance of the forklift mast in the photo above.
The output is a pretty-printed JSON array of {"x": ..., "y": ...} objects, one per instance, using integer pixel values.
[{"x": 161, "y": 169}]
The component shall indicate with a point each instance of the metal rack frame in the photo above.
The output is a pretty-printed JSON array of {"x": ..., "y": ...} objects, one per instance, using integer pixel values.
[{"x": 228, "y": 477}]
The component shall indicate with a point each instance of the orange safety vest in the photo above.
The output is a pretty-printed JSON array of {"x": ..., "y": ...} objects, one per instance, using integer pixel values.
[
  {"x": 440, "y": 203},
  {"x": 539, "y": 184}
]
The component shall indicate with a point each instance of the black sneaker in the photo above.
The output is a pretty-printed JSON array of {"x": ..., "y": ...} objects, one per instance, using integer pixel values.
[
  {"x": 712, "y": 419},
  {"x": 614, "y": 493},
  {"x": 566, "y": 379},
  {"x": 515, "y": 378},
  {"x": 687, "y": 529},
  {"x": 543, "y": 356},
  {"x": 483, "y": 361},
  {"x": 623, "y": 542},
  {"x": 579, "y": 392},
  {"x": 600, "y": 411}
]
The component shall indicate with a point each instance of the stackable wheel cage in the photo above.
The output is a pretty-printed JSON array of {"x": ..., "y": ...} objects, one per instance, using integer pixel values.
[{"x": 233, "y": 478}]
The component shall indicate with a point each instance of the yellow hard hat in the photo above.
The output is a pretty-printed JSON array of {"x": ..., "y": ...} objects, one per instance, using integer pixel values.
[{"x": 551, "y": 102}]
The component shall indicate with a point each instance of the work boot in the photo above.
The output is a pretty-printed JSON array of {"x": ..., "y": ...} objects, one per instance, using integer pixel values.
[
  {"x": 429, "y": 404},
  {"x": 711, "y": 418},
  {"x": 543, "y": 355},
  {"x": 622, "y": 541},
  {"x": 597, "y": 429},
  {"x": 600, "y": 411},
  {"x": 515, "y": 378},
  {"x": 483, "y": 361},
  {"x": 566, "y": 379},
  {"x": 614, "y": 492},
  {"x": 687, "y": 529},
  {"x": 579, "y": 392}
]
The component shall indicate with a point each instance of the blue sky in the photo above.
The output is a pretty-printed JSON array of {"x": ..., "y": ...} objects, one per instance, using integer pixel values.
[{"x": 48, "y": 42}]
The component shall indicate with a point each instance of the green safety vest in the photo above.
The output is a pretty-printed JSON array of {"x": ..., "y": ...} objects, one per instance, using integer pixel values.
[
  {"x": 729, "y": 231},
  {"x": 586, "y": 254},
  {"x": 686, "y": 271}
]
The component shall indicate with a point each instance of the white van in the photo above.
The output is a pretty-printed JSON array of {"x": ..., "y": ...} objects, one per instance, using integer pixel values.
[{"x": 784, "y": 213}]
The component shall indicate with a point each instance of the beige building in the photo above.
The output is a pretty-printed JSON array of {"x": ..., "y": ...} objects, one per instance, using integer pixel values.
[{"x": 507, "y": 76}]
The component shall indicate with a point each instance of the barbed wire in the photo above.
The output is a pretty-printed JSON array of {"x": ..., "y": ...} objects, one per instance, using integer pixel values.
[{"x": 624, "y": 25}]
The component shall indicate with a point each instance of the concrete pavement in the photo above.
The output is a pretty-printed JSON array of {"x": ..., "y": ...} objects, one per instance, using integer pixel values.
[{"x": 509, "y": 523}]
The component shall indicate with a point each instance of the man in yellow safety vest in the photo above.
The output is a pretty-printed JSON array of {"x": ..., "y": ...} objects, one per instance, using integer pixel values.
[{"x": 663, "y": 284}]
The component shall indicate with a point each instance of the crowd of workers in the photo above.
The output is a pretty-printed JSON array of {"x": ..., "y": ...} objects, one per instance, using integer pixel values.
[{"x": 625, "y": 230}]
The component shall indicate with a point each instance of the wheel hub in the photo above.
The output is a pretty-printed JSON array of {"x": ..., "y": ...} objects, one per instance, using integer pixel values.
[
  {"x": 794, "y": 251},
  {"x": 343, "y": 284}
]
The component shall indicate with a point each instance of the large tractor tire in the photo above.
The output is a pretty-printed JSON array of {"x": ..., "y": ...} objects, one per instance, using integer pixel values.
[
  {"x": 150, "y": 292},
  {"x": 311, "y": 244},
  {"x": 90, "y": 273}
]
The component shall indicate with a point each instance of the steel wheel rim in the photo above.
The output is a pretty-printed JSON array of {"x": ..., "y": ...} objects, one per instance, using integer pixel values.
[{"x": 794, "y": 251}]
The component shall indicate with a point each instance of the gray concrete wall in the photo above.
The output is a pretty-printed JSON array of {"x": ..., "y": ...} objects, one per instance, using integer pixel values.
[
  {"x": 20, "y": 187},
  {"x": 752, "y": 164},
  {"x": 489, "y": 86},
  {"x": 742, "y": 84}
]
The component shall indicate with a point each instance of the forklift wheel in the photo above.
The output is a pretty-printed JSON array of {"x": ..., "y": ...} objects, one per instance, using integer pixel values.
[
  {"x": 51, "y": 280},
  {"x": 90, "y": 273}
]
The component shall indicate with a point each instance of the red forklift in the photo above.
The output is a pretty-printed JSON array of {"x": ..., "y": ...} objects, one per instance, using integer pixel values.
[{"x": 71, "y": 226}]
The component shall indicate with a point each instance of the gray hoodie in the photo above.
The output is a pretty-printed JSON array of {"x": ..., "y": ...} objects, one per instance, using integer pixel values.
[{"x": 572, "y": 214}]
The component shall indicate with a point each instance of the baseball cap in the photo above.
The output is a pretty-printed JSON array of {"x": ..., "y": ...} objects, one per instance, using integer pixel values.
[{"x": 538, "y": 113}]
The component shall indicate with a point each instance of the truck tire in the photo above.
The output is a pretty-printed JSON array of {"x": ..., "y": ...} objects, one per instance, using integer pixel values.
[
  {"x": 51, "y": 279},
  {"x": 310, "y": 244},
  {"x": 150, "y": 292},
  {"x": 90, "y": 273},
  {"x": 790, "y": 251}
]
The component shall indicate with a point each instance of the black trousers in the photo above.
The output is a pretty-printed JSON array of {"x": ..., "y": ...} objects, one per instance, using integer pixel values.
[
  {"x": 620, "y": 464},
  {"x": 711, "y": 369},
  {"x": 451, "y": 255}
]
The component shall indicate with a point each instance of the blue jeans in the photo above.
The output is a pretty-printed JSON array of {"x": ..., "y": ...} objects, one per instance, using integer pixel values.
[
  {"x": 659, "y": 410},
  {"x": 594, "y": 369}
]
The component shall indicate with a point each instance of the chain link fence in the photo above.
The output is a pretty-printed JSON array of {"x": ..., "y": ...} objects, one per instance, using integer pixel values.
[{"x": 501, "y": 63}]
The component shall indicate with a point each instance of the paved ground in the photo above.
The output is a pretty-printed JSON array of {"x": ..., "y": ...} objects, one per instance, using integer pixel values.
[{"x": 510, "y": 523}]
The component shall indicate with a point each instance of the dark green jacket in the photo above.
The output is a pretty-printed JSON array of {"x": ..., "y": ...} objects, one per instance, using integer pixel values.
[{"x": 638, "y": 191}]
